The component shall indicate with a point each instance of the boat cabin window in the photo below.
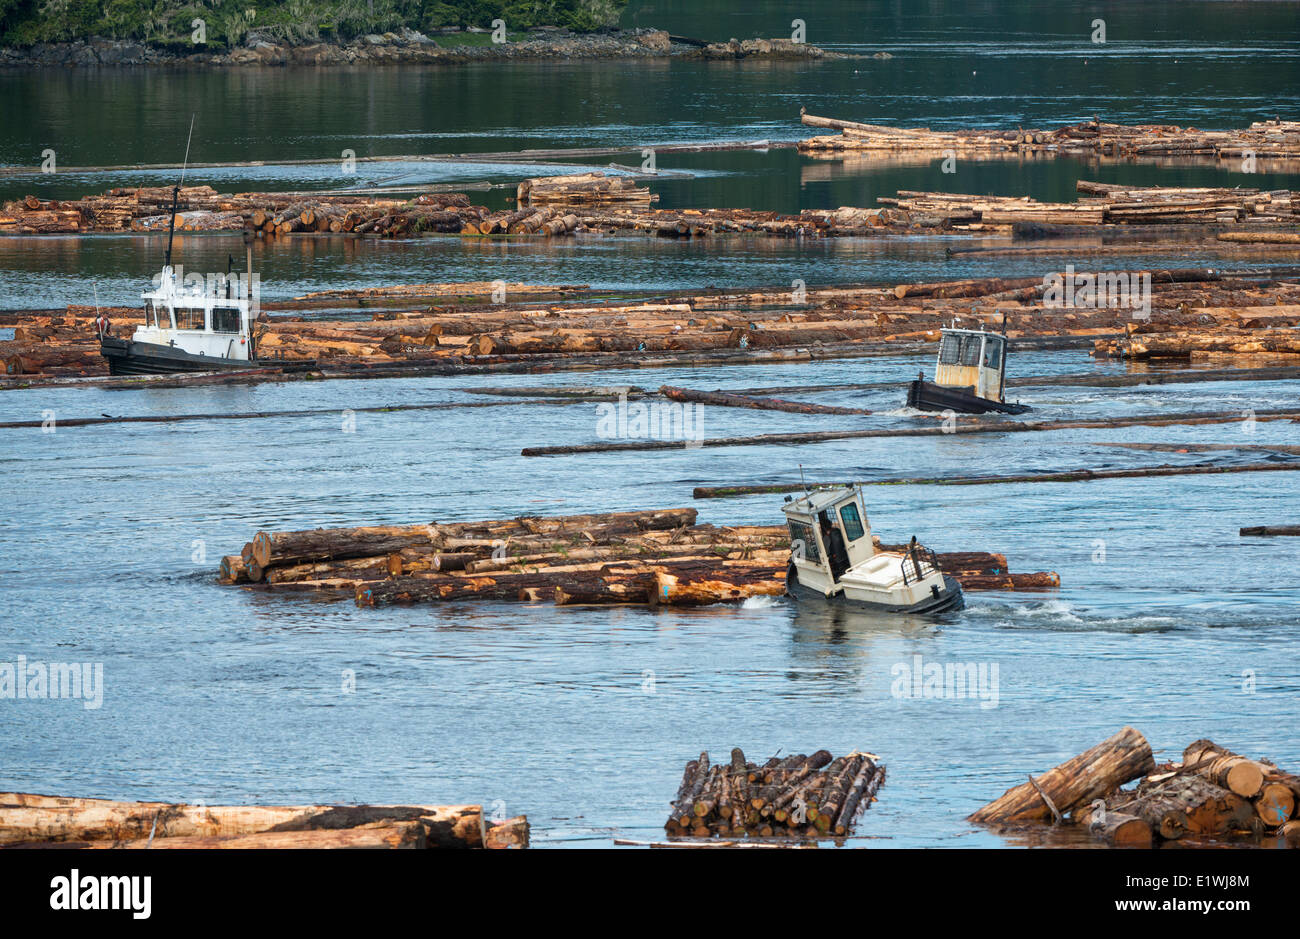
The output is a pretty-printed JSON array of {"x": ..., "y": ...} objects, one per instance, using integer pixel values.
[
  {"x": 225, "y": 319},
  {"x": 801, "y": 533},
  {"x": 852, "y": 522},
  {"x": 150, "y": 315},
  {"x": 189, "y": 317},
  {"x": 959, "y": 349},
  {"x": 993, "y": 352}
]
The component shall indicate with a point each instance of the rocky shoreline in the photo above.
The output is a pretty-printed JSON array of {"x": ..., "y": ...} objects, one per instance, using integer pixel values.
[{"x": 408, "y": 47}]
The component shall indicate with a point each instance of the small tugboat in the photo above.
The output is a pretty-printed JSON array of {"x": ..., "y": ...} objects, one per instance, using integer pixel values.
[
  {"x": 186, "y": 331},
  {"x": 969, "y": 375},
  {"x": 834, "y": 558}
]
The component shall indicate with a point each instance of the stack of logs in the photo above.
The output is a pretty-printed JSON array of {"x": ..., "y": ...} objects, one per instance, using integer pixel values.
[
  {"x": 593, "y": 203},
  {"x": 795, "y": 797},
  {"x": 577, "y": 189},
  {"x": 1250, "y": 315},
  {"x": 654, "y": 556},
  {"x": 201, "y": 208},
  {"x": 1104, "y": 204},
  {"x": 1263, "y": 139},
  {"x": 1212, "y": 793},
  {"x": 29, "y": 820}
]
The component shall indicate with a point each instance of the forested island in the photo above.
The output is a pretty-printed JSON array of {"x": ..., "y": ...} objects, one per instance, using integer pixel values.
[{"x": 228, "y": 23}]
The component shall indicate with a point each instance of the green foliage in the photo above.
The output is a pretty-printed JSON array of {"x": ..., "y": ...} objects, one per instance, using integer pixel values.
[{"x": 168, "y": 22}]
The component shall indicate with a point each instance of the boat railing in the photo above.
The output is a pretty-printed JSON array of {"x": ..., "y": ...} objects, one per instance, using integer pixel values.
[{"x": 921, "y": 563}]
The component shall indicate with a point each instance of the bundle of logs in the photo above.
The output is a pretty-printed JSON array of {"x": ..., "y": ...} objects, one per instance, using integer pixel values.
[
  {"x": 595, "y": 203},
  {"x": 201, "y": 208},
  {"x": 1212, "y": 794},
  {"x": 793, "y": 797},
  {"x": 1104, "y": 204},
  {"x": 469, "y": 332},
  {"x": 645, "y": 557},
  {"x": 583, "y": 189},
  {"x": 36, "y": 821},
  {"x": 1263, "y": 139},
  {"x": 1277, "y": 344}
]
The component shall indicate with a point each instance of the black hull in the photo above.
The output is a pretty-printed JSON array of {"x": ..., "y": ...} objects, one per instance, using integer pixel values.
[
  {"x": 927, "y": 396},
  {"x": 127, "y": 357},
  {"x": 950, "y": 598}
]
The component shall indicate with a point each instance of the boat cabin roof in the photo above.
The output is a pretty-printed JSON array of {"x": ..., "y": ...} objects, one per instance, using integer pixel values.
[
  {"x": 819, "y": 500},
  {"x": 191, "y": 301},
  {"x": 964, "y": 331}
]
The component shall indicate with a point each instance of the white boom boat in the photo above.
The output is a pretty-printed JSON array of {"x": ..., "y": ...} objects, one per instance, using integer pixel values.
[{"x": 833, "y": 558}]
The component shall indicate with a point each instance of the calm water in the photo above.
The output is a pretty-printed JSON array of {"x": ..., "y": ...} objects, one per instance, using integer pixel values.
[{"x": 221, "y": 695}]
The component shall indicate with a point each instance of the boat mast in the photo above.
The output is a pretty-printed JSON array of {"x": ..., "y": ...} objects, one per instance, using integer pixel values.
[{"x": 176, "y": 192}]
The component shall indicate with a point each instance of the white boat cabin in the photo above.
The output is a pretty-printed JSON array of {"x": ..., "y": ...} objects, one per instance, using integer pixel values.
[
  {"x": 972, "y": 359},
  {"x": 197, "y": 321},
  {"x": 832, "y": 553}
]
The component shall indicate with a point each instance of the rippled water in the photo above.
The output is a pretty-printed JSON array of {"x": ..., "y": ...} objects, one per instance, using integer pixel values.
[
  {"x": 223, "y": 695},
  {"x": 218, "y": 694}
]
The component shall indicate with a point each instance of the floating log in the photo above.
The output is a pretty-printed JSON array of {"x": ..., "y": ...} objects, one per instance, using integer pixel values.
[
  {"x": 400, "y": 835},
  {"x": 26, "y": 817},
  {"x": 1079, "y": 475},
  {"x": 512, "y": 833},
  {"x": 1275, "y": 804},
  {"x": 1074, "y": 783},
  {"x": 233, "y": 570},
  {"x": 1235, "y": 773},
  {"x": 1270, "y": 530},
  {"x": 723, "y": 399},
  {"x": 1120, "y": 830},
  {"x": 977, "y": 427},
  {"x": 323, "y": 544}
]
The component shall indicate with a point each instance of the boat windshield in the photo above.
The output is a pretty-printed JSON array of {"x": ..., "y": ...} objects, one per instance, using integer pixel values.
[
  {"x": 189, "y": 317},
  {"x": 949, "y": 349}
]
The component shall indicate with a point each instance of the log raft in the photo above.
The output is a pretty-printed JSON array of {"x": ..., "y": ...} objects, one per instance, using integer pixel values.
[
  {"x": 1196, "y": 314},
  {"x": 654, "y": 557}
]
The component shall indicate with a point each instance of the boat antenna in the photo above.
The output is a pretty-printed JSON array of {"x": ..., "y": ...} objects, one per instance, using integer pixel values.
[
  {"x": 806, "y": 490},
  {"x": 176, "y": 193}
]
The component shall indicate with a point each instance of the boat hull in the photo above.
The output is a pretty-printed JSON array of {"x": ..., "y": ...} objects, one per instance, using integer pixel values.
[
  {"x": 128, "y": 357},
  {"x": 927, "y": 396},
  {"x": 949, "y": 599}
]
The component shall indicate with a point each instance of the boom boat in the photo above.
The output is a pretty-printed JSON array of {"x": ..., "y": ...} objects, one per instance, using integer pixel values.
[
  {"x": 834, "y": 558},
  {"x": 969, "y": 375},
  {"x": 186, "y": 331}
]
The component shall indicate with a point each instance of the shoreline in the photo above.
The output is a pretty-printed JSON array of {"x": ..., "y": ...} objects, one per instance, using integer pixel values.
[{"x": 411, "y": 48}]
